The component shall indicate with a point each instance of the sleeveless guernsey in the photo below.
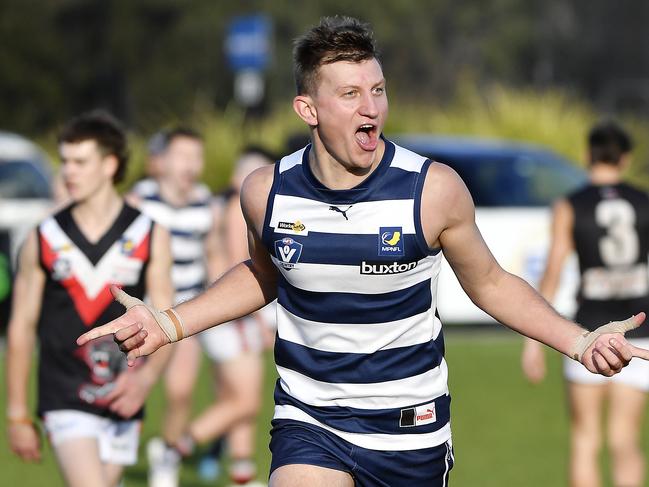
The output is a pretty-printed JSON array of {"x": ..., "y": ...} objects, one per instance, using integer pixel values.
[
  {"x": 188, "y": 226},
  {"x": 76, "y": 298},
  {"x": 359, "y": 347},
  {"x": 611, "y": 235}
]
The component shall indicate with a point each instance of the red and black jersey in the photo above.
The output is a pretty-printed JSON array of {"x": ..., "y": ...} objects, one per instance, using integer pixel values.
[
  {"x": 611, "y": 235},
  {"x": 77, "y": 297}
]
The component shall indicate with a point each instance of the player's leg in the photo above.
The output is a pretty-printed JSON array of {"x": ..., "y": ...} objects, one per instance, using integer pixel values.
[
  {"x": 586, "y": 403},
  {"x": 79, "y": 462},
  {"x": 241, "y": 377},
  {"x": 628, "y": 398},
  {"x": 179, "y": 382},
  {"x": 300, "y": 475},
  {"x": 241, "y": 445}
]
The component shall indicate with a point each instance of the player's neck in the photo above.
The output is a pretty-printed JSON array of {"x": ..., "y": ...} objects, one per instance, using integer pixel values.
[
  {"x": 605, "y": 174},
  {"x": 95, "y": 215},
  {"x": 338, "y": 175},
  {"x": 174, "y": 194}
]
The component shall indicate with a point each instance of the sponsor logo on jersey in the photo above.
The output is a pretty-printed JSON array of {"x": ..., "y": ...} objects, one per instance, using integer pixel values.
[
  {"x": 391, "y": 241},
  {"x": 288, "y": 251},
  {"x": 418, "y": 416},
  {"x": 382, "y": 268},
  {"x": 127, "y": 246},
  {"x": 61, "y": 269},
  {"x": 296, "y": 226},
  {"x": 338, "y": 209}
]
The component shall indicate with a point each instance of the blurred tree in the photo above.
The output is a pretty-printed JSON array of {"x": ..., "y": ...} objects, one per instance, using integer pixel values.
[{"x": 158, "y": 61}]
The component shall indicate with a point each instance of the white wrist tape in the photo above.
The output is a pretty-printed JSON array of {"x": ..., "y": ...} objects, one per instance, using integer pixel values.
[
  {"x": 584, "y": 341},
  {"x": 168, "y": 320}
]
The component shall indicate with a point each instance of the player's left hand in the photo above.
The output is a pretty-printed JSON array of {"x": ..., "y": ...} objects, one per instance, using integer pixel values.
[
  {"x": 131, "y": 388},
  {"x": 605, "y": 351}
]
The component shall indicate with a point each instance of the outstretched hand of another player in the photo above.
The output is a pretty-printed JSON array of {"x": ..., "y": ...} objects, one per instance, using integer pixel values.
[
  {"x": 605, "y": 351},
  {"x": 141, "y": 330}
]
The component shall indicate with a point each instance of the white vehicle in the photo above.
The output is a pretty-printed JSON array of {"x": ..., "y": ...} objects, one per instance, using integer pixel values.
[
  {"x": 513, "y": 186},
  {"x": 25, "y": 198}
]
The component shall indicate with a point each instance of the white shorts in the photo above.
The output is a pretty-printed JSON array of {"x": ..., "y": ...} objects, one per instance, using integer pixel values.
[
  {"x": 636, "y": 374},
  {"x": 118, "y": 440},
  {"x": 229, "y": 340}
]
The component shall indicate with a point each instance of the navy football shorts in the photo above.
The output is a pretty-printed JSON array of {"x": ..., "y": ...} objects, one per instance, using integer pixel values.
[{"x": 294, "y": 442}]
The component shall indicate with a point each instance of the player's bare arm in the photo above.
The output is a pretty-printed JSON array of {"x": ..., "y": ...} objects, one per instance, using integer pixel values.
[
  {"x": 561, "y": 245},
  {"x": 448, "y": 217},
  {"x": 217, "y": 262},
  {"x": 143, "y": 330},
  {"x": 23, "y": 438},
  {"x": 134, "y": 385}
]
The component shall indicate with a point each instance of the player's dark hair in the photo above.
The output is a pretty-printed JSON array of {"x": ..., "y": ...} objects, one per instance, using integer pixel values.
[
  {"x": 258, "y": 150},
  {"x": 105, "y": 130},
  {"x": 180, "y": 131},
  {"x": 334, "y": 39},
  {"x": 608, "y": 142}
]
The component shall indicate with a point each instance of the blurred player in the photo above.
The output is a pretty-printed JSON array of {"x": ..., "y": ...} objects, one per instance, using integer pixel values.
[
  {"x": 347, "y": 234},
  {"x": 173, "y": 197},
  {"x": 607, "y": 224},
  {"x": 235, "y": 347},
  {"x": 89, "y": 402}
]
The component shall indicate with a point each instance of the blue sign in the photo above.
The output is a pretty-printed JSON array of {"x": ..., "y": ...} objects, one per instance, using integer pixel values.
[{"x": 248, "y": 42}]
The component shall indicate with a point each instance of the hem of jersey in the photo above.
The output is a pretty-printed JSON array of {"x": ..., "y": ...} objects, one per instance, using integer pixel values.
[{"x": 388, "y": 443}]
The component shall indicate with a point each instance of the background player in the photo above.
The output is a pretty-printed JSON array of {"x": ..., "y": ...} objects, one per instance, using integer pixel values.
[
  {"x": 173, "y": 196},
  {"x": 607, "y": 224},
  {"x": 90, "y": 403},
  {"x": 235, "y": 348}
]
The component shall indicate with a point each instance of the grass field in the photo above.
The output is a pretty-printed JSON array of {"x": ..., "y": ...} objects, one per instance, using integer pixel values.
[{"x": 505, "y": 431}]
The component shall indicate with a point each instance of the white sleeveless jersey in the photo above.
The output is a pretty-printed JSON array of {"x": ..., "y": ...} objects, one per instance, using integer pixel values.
[
  {"x": 188, "y": 226},
  {"x": 359, "y": 348}
]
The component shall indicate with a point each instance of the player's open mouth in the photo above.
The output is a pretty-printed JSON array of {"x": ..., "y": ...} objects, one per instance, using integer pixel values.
[{"x": 366, "y": 136}]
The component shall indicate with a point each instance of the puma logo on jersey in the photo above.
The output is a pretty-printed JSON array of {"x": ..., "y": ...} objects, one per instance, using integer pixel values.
[
  {"x": 344, "y": 212},
  {"x": 417, "y": 416}
]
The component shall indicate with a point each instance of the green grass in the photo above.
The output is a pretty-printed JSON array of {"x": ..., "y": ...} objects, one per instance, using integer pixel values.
[{"x": 506, "y": 432}]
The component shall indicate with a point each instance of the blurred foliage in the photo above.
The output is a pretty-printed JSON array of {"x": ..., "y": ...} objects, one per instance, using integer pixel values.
[
  {"x": 550, "y": 118},
  {"x": 154, "y": 61}
]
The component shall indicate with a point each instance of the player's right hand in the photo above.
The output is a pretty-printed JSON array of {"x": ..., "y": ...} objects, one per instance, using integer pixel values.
[
  {"x": 25, "y": 441},
  {"x": 533, "y": 361},
  {"x": 137, "y": 332}
]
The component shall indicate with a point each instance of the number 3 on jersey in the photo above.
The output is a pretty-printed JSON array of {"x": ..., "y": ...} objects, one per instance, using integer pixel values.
[{"x": 620, "y": 245}]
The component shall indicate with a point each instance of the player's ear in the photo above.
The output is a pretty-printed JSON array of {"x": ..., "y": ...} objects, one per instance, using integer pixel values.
[
  {"x": 625, "y": 161},
  {"x": 305, "y": 109},
  {"x": 111, "y": 164}
]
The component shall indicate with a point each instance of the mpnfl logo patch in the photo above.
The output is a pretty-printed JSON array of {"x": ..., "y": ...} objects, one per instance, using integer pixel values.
[
  {"x": 418, "y": 416},
  {"x": 288, "y": 251},
  {"x": 391, "y": 241}
]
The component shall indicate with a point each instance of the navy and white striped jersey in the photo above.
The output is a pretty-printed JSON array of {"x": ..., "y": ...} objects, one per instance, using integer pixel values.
[
  {"x": 359, "y": 348},
  {"x": 188, "y": 226}
]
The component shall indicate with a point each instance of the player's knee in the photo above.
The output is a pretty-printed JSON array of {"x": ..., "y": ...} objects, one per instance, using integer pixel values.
[{"x": 623, "y": 445}]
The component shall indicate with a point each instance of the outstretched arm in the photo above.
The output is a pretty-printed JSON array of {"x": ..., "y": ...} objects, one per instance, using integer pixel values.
[
  {"x": 245, "y": 288},
  {"x": 448, "y": 216}
]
